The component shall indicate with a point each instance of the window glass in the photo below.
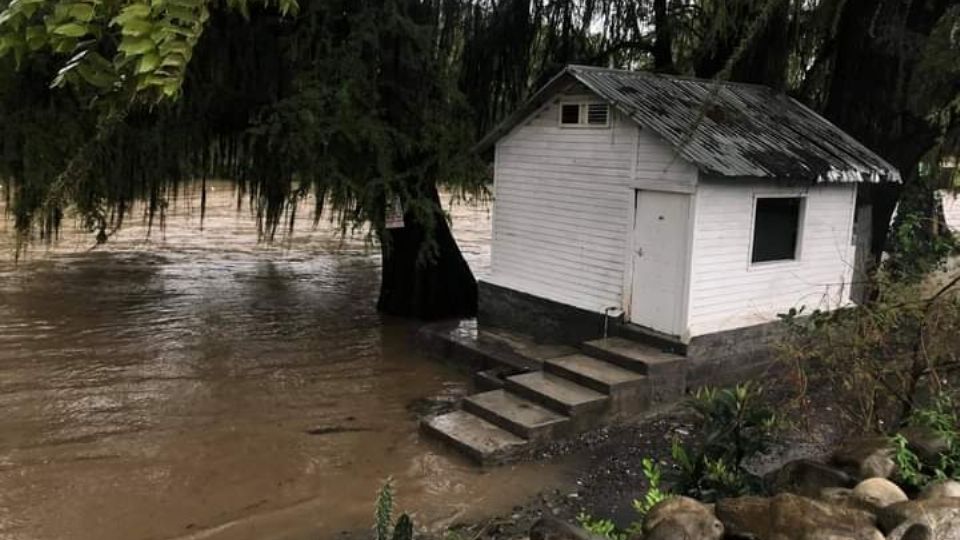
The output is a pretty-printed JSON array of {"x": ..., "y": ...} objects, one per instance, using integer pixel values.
[
  {"x": 570, "y": 114},
  {"x": 776, "y": 229}
]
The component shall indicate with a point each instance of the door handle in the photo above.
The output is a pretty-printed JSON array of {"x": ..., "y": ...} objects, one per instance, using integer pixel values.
[{"x": 640, "y": 252}]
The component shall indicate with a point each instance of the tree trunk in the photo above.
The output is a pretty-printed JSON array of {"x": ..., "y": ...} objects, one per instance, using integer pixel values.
[
  {"x": 429, "y": 288},
  {"x": 663, "y": 42},
  {"x": 868, "y": 92}
]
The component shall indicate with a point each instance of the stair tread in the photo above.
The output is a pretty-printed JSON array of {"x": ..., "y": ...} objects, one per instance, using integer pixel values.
[
  {"x": 597, "y": 370},
  {"x": 482, "y": 437},
  {"x": 634, "y": 351},
  {"x": 557, "y": 388},
  {"x": 516, "y": 409}
]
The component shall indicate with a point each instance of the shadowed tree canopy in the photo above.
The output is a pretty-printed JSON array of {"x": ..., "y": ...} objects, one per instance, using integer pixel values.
[
  {"x": 352, "y": 100},
  {"x": 371, "y": 104}
]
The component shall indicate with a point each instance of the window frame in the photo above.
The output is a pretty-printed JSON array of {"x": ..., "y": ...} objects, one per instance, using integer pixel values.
[
  {"x": 801, "y": 229},
  {"x": 583, "y": 114}
]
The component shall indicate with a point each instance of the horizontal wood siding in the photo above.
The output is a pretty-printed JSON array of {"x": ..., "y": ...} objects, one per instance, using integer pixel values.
[
  {"x": 951, "y": 209},
  {"x": 728, "y": 292},
  {"x": 563, "y": 203}
]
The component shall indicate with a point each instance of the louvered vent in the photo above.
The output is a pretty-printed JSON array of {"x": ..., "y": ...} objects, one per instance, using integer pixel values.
[{"x": 598, "y": 114}]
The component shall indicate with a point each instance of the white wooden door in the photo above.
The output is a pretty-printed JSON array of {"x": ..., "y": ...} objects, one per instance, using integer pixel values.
[{"x": 660, "y": 234}]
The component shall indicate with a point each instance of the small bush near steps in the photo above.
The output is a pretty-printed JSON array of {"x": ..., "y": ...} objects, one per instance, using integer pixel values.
[{"x": 732, "y": 425}]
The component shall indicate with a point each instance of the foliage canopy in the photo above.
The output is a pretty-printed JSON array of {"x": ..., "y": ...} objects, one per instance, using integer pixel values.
[{"x": 368, "y": 102}]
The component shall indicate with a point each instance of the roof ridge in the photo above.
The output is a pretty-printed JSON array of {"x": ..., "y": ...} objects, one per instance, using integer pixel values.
[{"x": 644, "y": 73}]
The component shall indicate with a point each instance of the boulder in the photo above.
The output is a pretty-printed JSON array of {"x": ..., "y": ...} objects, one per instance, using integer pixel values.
[
  {"x": 667, "y": 530},
  {"x": 911, "y": 531},
  {"x": 927, "y": 528},
  {"x": 791, "y": 517},
  {"x": 807, "y": 478},
  {"x": 927, "y": 443},
  {"x": 867, "y": 457},
  {"x": 550, "y": 528},
  {"x": 938, "y": 514},
  {"x": 941, "y": 490},
  {"x": 845, "y": 497},
  {"x": 879, "y": 492},
  {"x": 835, "y": 495},
  {"x": 682, "y": 518}
]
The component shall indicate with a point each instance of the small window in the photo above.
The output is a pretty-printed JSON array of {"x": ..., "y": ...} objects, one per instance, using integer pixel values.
[
  {"x": 596, "y": 115},
  {"x": 776, "y": 229},
  {"x": 570, "y": 115}
]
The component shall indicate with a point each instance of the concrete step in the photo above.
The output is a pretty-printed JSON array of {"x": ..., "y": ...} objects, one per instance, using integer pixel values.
[
  {"x": 641, "y": 334},
  {"x": 557, "y": 393},
  {"x": 595, "y": 374},
  {"x": 475, "y": 437},
  {"x": 515, "y": 414},
  {"x": 636, "y": 356}
]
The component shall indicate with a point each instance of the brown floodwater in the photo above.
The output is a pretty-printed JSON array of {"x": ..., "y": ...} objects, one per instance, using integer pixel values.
[{"x": 197, "y": 384}]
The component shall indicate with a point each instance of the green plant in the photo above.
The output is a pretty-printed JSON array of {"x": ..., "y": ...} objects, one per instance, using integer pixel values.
[
  {"x": 600, "y": 527},
  {"x": 908, "y": 464},
  {"x": 655, "y": 494},
  {"x": 383, "y": 516},
  {"x": 943, "y": 419},
  {"x": 734, "y": 424}
]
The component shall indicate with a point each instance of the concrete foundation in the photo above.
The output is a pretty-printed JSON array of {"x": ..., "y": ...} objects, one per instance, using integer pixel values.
[{"x": 719, "y": 359}]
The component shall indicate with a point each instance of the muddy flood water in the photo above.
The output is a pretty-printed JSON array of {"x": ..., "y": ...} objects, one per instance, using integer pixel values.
[{"x": 199, "y": 385}]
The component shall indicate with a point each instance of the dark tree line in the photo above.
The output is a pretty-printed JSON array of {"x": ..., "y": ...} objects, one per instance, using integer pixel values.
[{"x": 370, "y": 103}]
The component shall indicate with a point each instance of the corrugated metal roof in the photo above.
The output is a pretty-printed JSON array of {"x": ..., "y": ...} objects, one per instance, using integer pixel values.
[{"x": 734, "y": 130}]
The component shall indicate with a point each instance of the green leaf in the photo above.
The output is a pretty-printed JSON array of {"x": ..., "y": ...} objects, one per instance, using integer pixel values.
[
  {"x": 136, "y": 27},
  {"x": 81, "y": 12},
  {"x": 135, "y": 46},
  {"x": 96, "y": 77},
  {"x": 148, "y": 63},
  {"x": 36, "y": 37},
  {"x": 174, "y": 60},
  {"x": 131, "y": 12},
  {"x": 72, "y": 30}
]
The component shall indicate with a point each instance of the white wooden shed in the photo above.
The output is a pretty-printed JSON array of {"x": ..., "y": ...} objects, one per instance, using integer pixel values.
[{"x": 692, "y": 207}]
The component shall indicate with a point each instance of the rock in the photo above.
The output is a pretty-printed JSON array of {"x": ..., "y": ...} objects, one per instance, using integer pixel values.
[
  {"x": 835, "y": 495},
  {"x": 845, "y": 497},
  {"x": 666, "y": 530},
  {"x": 549, "y": 528},
  {"x": 927, "y": 443},
  {"x": 880, "y": 492},
  {"x": 877, "y": 467},
  {"x": 791, "y": 517},
  {"x": 928, "y": 528},
  {"x": 935, "y": 513},
  {"x": 868, "y": 457},
  {"x": 807, "y": 478},
  {"x": 682, "y": 518},
  {"x": 911, "y": 531},
  {"x": 743, "y": 516},
  {"x": 941, "y": 490}
]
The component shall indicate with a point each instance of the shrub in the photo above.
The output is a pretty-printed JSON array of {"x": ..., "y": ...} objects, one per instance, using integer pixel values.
[
  {"x": 943, "y": 419},
  {"x": 733, "y": 424},
  {"x": 881, "y": 357}
]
